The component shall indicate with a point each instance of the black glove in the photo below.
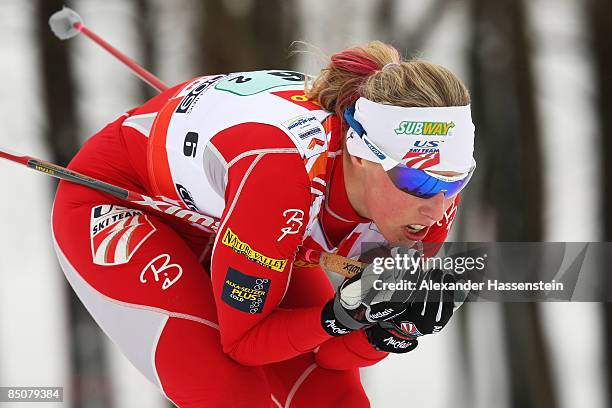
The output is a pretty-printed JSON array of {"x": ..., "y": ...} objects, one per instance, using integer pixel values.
[
  {"x": 386, "y": 336},
  {"x": 429, "y": 311},
  {"x": 358, "y": 304},
  {"x": 431, "y": 308}
]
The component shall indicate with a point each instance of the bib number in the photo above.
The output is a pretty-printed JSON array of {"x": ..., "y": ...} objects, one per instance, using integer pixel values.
[{"x": 251, "y": 83}]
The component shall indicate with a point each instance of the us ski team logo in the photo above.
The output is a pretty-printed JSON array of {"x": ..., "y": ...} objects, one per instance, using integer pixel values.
[
  {"x": 424, "y": 154},
  {"x": 411, "y": 329},
  {"x": 418, "y": 160},
  {"x": 116, "y": 233}
]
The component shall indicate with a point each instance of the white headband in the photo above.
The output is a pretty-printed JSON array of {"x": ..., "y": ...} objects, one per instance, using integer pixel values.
[{"x": 437, "y": 138}]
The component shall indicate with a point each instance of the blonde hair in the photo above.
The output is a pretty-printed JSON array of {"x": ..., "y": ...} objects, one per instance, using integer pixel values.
[{"x": 376, "y": 72}]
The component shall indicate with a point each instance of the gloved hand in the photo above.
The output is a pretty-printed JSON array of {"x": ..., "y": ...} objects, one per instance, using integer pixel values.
[
  {"x": 359, "y": 302},
  {"x": 428, "y": 312},
  {"x": 387, "y": 336}
]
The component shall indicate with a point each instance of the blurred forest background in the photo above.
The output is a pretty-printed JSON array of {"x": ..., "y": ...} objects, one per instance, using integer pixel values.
[{"x": 540, "y": 73}]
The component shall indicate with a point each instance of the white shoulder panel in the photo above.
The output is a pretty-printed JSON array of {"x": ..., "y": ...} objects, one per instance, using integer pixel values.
[{"x": 214, "y": 103}]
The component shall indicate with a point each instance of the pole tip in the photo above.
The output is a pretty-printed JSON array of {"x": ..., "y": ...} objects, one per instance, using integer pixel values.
[{"x": 62, "y": 23}]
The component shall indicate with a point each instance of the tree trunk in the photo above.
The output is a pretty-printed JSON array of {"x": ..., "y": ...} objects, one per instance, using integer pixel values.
[
  {"x": 600, "y": 19},
  {"x": 145, "y": 23},
  {"x": 88, "y": 364},
  {"x": 505, "y": 113},
  {"x": 385, "y": 29},
  {"x": 255, "y": 38}
]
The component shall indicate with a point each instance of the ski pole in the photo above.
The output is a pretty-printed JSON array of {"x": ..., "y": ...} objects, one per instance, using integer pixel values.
[
  {"x": 157, "y": 203},
  {"x": 331, "y": 262},
  {"x": 66, "y": 24}
]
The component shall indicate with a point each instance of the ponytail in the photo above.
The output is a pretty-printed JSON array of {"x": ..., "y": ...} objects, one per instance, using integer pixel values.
[
  {"x": 338, "y": 85},
  {"x": 376, "y": 72}
]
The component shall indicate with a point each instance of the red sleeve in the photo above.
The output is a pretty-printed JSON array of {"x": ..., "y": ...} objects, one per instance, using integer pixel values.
[
  {"x": 347, "y": 352},
  {"x": 267, "y": 204}
]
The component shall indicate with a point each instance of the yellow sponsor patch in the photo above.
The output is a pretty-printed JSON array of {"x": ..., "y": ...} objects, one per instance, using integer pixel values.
[{"x": 231, "y": 240}]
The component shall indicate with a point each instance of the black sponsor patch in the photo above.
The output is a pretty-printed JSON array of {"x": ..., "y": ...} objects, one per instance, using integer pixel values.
[
  {"x": 192, "y": 97},
  {"x": 244, "y": 292},
  {"x": 186, "y": 197}
]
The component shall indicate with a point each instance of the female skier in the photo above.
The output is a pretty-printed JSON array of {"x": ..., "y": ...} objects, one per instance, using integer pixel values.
[{"x": 373, "y": 150}]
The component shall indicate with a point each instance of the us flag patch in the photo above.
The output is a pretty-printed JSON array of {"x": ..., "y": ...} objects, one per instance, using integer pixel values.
[{"x": 116, "y": 233}]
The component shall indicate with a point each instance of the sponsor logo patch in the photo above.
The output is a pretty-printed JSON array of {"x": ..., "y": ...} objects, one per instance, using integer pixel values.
[
  {"x": 301, "y": 122},
  {"x": 352, "y": 269},
  {"x": 308, "y": 134},
  {"x": 334, "y": 328},
  {"x": 421, "y": 160},
  {"x": 294, "y": 218},
  {"x": 231, "y": 240},
  {"x": 194, "y": 94},
  {"x": 297, "y": 97},
  {"x": 373, "y": 148},
  {"x": 186, "y": 197},
  {"x": 381, "y": 314},
  {"x": 173, "y": 207},
  {"x": 314, "y": 143},
  {"x": 244, "y": 292},
  {"x": 424, "y": 128},
  {"x": 423, "y": 155},
  {"x": 160, "y": 267},
  {"x": 397, "y": 344},
  {"x": 116, "y": 233},
  {"x": 410, "y": 329}
]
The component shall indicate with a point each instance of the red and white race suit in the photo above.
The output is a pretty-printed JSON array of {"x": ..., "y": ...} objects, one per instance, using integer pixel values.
[{"x": 223, "y": 315}]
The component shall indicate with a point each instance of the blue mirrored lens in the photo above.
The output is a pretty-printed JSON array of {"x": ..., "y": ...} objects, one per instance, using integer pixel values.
[{"x": 420, "y": 184}]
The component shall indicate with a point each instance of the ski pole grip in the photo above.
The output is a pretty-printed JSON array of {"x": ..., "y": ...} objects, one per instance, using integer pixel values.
[
  {"x": 339, "y": 264},
  {"x": 333, "y": 263}
]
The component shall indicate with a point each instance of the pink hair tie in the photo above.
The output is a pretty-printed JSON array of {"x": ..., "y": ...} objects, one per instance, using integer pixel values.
[{"x": 390, "y": 64}]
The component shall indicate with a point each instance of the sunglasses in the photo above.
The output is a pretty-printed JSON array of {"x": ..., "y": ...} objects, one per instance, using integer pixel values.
[{"x": 424, "y": 184}]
